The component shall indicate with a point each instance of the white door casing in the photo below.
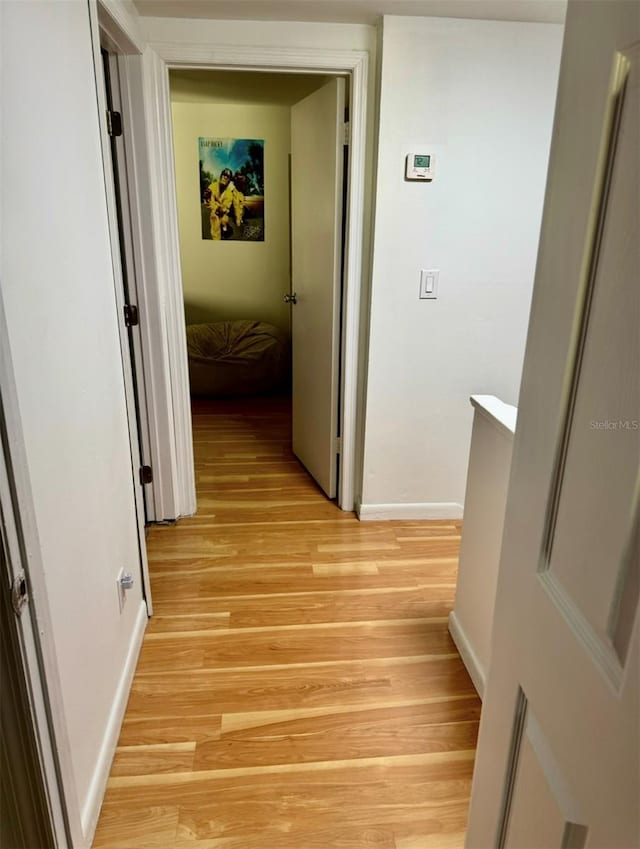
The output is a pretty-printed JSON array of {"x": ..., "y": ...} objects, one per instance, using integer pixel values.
[
  {"x": 163, "y": 395},
  {"x": 155, "y": 156},
  {"x": 316, "y": 247},
  {"x": 559, "y": 751}
]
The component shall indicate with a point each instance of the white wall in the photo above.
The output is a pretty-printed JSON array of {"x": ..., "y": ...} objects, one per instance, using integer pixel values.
[
  {"x": 480, "y": 96},
  {"x": 58, "y": 292},
  {"x": 229, "y": 280},
  {"x": 264, "y": 33},
  {"x": 471, "y": 620}
]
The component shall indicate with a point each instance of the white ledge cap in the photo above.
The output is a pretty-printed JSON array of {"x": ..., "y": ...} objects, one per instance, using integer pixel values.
[{"x": 503, "y": 416}]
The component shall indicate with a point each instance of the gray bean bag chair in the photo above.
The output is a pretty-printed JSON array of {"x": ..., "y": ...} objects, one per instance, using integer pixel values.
[{"x": 230, "y": 358}]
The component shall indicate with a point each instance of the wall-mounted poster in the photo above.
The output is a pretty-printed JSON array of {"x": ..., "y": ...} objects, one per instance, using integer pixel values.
[{"x": 232, "y": 189}]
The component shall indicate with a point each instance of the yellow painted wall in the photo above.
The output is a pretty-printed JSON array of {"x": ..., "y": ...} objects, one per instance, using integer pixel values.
[{"x": 228, "y": 279}]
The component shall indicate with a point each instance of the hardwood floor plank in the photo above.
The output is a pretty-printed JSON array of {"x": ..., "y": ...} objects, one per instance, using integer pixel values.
[
  {"x": 348, "y": 606},
  {"x": 157, "y": 729},
  {"x": 344, "y": 568},
  {"x": 145, "y": 759},
  {"x": 319, "y": 838},
  {"x": 221, "y": 691},
  {"x": 228, "y": 568},
  {"x": 357, "y": 734},
  {"x": 297, "y": 687},
  {"x": 196, "y": 777},
  {"x": 356, "y": 545},
  {"x": 341, "y": 641},
  {"x": 160, "y": 624},
  {"x": 340, "y": 790},
  {"x": 123, "y": 828},
  {"x": 453, "y": 840},
  {"x": 224, "y": 582},
  {"x": 301, "y": 630},
  {"x": 324, "y": 605},
  {"x": 441, "y": 709}
]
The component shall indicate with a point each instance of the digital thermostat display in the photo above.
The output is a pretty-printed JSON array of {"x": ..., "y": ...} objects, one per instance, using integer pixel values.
[{"x": 420, "y": 166}]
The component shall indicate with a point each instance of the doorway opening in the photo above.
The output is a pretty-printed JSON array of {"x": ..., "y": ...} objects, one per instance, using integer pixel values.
[{"x": 262, "y": 235}]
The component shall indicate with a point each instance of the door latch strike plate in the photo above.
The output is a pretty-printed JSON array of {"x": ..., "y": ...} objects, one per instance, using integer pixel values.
[
  {"x": 19, "y": 593},
  {"x": 146, "y": 474},
  {"x": 131, "y": 315},
  {"x": 114, "y": 123}
]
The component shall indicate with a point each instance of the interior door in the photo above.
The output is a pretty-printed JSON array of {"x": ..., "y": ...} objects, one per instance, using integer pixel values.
[
  {"x": 122, "y": 254},
  {"x": 316, "y": 237},
  {"x": 559, "y": 749}
]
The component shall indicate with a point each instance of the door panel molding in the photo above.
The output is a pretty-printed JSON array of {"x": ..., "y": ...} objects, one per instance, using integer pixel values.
[
  {"x": 519, "y": 720},
  {"x": 597, "y": 640},
  {"x": 530, "y": 751},
  {"x": 593, "y": 242}
]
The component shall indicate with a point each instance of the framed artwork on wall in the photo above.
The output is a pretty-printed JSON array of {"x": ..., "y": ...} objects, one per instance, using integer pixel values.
[{"x": 232, "y": 189}]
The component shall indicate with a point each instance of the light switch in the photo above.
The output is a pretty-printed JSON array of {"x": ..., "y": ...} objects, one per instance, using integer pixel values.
[{"x": 429, "y": 283}]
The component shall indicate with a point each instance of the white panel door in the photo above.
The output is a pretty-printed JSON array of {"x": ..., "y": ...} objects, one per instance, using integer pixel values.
[
  {"x": 316, "y": 236},
  {"x": 559, "y": 748}
]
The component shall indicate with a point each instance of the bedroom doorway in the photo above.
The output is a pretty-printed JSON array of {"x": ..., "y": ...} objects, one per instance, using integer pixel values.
[
  {"x": 262, "y": 251},
  {"x": 144, "y": 70}
]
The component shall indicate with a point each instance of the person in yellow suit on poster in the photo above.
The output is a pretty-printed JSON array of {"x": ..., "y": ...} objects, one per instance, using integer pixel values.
[{"x": 222, "y": 198}]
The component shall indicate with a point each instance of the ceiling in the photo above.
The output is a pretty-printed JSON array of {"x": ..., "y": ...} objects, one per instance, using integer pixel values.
[
  {"x": 242, "y": 87},
  {"x": 355, "y": 11}
]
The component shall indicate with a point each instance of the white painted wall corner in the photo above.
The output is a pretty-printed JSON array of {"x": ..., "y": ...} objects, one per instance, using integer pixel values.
[{"x": 469, "y": 657}]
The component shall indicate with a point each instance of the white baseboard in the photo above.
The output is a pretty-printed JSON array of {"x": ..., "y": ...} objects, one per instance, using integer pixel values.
[
  {"x": 469, "y": 657},
  {"x": 91, "y": 810},
  {"x": 433, "y": 510}
]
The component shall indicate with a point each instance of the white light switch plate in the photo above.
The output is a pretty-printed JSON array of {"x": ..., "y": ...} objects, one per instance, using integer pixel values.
[{"x": 429, "y": 279}]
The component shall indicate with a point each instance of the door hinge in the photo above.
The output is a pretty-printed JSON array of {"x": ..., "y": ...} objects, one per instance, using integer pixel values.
[
  {"x": 146, "y": 474},
  {"x": 347, "y": 133},
  {"x": 114, "y": 123},
  {"x": 19, "y": 593},
  {"x": 131, "y": 315},
  {"x": 338, "y": 445}
]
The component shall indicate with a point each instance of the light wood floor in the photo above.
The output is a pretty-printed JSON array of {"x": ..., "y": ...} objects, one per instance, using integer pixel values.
[{"x": 297, "y": 686}]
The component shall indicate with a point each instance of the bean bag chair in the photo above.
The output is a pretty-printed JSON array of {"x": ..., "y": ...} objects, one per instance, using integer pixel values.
[{"x": 230, "y": 358}]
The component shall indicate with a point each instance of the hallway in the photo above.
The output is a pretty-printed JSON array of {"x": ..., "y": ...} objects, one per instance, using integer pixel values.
[{"x": 297, "y": 686}]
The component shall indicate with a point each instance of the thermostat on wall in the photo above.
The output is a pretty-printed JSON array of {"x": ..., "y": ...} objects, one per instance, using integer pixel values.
[{"x": 420, "y": 166}]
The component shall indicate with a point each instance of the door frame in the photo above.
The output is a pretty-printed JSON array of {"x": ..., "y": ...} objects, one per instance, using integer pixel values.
[
  {"x": 144, "y": 75},
  {"x": 116, "y": 27},
  {"x": 37, "y": 664},
  {"x": 353, "y": 64}
]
